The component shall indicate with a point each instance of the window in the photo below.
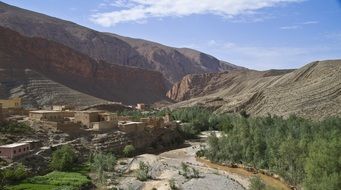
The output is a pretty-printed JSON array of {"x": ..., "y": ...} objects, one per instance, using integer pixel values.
[
  {"x": 19, "y": 149},
  {"x": 24, "y": 149},
  {"x": 14, "y": 151}
]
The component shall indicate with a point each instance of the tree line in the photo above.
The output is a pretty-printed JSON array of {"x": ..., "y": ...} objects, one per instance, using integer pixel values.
[{"x": 305, "y": 153}]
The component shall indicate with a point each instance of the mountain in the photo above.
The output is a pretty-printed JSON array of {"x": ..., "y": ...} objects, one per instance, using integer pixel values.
[
  {"x": 77, "y": 71},
  {"x": 173, "y": 63},
  {"x": 313, "y": 91},
  {"x": 37, "y": 90}
]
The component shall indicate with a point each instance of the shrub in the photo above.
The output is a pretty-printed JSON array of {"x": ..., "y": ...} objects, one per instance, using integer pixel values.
[
  {"x": 15, "y": 128},
  {"x": 142, "y": 173},
  {"x": 14, "y": 174},
  {"x": 256, "y": 183},
  {"x": 172, "y": 184},
  {"x": 63, "y": 159},
  {"x": 129, "y": 150},
  {"x": 188, "y": 172}
]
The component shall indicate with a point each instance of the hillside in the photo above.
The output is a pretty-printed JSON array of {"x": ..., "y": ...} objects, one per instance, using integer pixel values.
[
  {"x": 173, "y": 63},
  {"x": 313, "y": 91},
  {"x": 78, "y": 71},
  {"x": 36, "y": 90}
]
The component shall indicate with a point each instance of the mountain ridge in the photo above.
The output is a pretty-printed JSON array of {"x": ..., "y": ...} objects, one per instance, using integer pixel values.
[
  {"x": 111, "y": 48},
  {"x": 313, "y": 91},
  {"x": 78, "y": 71}
]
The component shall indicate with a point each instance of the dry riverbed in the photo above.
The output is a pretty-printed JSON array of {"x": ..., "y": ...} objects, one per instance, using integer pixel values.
[{"x": 167, "y": 165}]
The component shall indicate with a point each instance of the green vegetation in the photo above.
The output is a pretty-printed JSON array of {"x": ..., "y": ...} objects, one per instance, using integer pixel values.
[
  {"x": 256, "y": 183},
  {"x": 188, "y": 172},
  {"x": 129, "y": 150},
  {"x": 304, "y": 152},
  {"x": 63, "y": 159},
  {"x": 301, "y": 151},
  {"x": 195, "y": 120},
  {"x": 172, "y": 184},
  {"x": 53, "y": 181},
  {"x": 142, "y": 173},
  {"x": 136, "y": 115},
  {"x": 102, "y": 163},
  {"x": 12, "y": 175},
  {"x": 15, "y": 128}
]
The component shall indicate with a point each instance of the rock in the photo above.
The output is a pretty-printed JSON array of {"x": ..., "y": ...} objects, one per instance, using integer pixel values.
[
  {"x": 313, "y": 91},
  {"x": 78, "y": 71}
]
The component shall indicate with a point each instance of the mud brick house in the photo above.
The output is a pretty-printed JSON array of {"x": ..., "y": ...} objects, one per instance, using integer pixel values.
[
  {"x": 14, "y": 150},
  {"x": 86, "y": 117},
  {"x": 96, "y": 120},
  {"x": 131, "y": 127}
]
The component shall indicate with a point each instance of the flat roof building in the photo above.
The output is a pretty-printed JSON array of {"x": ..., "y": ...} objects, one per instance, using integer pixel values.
[
  {"x": 86, "y": 117},
  {"x": 14, "y": 150},
  {"x": 50, "y": 115},
  {"x": 131, "y": 127}
]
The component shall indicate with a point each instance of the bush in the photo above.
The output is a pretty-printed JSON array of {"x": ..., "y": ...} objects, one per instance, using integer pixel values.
[
  {"x": 15, "y": 128},
  {"x": 256, "y": 183},
  {"x": 142, "y": 173},
  {"x": 129, "y": 150},
  {"x": 188, "y": 172},
  {"x": 13, "y": 174},
  {"x": 172, "y": 184},
  {"x": 63, "y": 159}
]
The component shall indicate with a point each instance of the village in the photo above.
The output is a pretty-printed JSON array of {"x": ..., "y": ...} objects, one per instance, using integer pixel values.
[{"x": 104, "y": 130}]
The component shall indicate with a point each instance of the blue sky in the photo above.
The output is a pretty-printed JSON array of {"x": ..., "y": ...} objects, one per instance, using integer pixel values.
[{"x": 258, "y": 34}]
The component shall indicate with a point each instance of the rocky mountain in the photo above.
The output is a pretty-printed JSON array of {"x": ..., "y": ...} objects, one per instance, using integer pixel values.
[
  {"x": 173, "y": 63},
  {"x": 77, "y": 71},
  {"x": 37, "y": 90},
  {"x": 313, "y": 91}
]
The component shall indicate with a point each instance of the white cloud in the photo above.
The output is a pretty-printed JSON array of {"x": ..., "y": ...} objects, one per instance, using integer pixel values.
[
  {"x": 140, "y": 10},
  {"x": 292, "y": 27},
  {"x": 299, "y": 25}
]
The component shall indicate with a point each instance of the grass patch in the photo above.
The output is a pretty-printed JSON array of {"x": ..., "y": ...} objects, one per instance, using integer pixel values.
[{"x": 54, "y": 180}]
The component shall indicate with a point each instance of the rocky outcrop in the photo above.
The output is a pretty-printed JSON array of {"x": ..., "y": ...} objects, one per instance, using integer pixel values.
[
  {"x": 173, "y": 63},
  {"x": 78, "y": 71},
  {"x": 313, "y": 91}
]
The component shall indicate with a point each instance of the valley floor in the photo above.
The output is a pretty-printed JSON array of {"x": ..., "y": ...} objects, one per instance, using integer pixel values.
[{"x": 167, "y": 166}]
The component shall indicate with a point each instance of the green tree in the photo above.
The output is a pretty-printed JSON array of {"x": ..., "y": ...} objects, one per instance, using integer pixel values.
[
  {"x": 63, "y": 159},
  {"x": 323, "y": 165},
  {"x": 13, "y": 174},
  {"x": 102, "y": 163}
]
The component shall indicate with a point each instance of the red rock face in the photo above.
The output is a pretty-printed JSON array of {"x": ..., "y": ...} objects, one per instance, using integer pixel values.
[
  {"x": 78, "y": 71},
  {"x": 173, "y": 63}
]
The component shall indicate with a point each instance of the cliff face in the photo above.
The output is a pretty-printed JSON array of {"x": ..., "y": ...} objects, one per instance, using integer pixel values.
[
  {"x": 313, "y": 91},
  {"x": 171, "y": 62},
  {"x": 79, "y": 72}
]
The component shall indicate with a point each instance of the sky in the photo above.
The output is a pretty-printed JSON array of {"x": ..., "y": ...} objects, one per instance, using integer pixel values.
[{"x": 257, "y": 34}]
